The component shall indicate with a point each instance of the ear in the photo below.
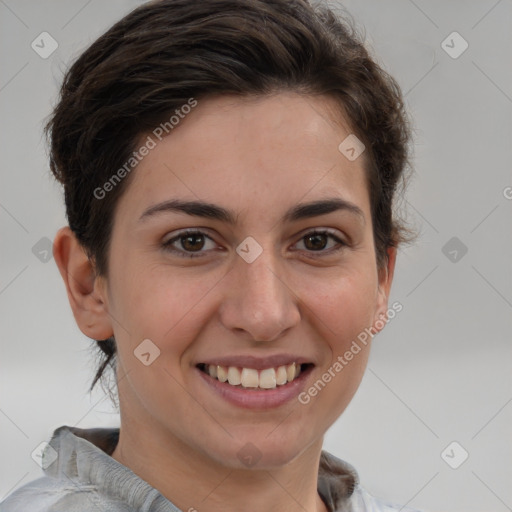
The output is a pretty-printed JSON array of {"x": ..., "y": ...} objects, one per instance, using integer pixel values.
[
  {"x": 385, "y": 274},
  {"x": 86, "y": 291}
]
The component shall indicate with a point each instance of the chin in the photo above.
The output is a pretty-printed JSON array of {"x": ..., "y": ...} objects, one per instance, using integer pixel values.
[{"x": 260, "y": 452}]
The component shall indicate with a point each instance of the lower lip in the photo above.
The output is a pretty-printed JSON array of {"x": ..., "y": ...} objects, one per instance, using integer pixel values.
[{"x": 251, "y": 398}]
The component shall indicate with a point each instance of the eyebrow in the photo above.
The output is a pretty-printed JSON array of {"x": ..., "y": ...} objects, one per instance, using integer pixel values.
[{"x": 212, "y": 211}]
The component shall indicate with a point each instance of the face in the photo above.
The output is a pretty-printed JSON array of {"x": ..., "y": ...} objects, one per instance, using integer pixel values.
[{"x": 254, "y": 279}]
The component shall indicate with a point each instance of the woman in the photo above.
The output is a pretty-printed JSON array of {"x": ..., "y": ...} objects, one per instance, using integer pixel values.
[{"x": 229, "y": 170}]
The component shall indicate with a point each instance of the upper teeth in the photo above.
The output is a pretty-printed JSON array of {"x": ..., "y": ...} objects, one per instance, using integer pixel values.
[{"x": 251, "y": 378}]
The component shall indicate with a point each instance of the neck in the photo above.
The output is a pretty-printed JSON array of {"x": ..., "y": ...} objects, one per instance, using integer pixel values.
[{"x": 194, "y": 482}]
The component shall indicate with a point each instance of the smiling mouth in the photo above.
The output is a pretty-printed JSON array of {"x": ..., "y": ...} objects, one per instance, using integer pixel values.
[{"x": 250, "y": 378}]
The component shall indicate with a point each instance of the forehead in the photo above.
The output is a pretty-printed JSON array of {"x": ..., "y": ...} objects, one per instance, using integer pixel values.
[{"x": 251, "y": 154}]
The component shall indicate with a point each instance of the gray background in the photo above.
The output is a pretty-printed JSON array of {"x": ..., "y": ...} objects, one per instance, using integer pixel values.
[{"x": 440, "y": 371}]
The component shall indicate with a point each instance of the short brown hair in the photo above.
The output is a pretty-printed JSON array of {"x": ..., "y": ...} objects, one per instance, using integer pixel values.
[{"x": 164, "y": 52}]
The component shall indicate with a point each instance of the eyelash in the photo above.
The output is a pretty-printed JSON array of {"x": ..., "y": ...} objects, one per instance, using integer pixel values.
[{"x": 183, "y": 254}]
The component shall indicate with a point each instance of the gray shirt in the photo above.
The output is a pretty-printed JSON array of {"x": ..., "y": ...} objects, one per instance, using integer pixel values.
[{"x": 81, "y": 475}]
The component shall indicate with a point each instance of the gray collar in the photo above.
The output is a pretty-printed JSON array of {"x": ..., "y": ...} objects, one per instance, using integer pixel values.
[{"x": 85, "y": 455}]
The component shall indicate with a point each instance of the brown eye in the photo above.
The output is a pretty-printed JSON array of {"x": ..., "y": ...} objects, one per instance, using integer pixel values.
[
  {"x": 193, "y": 242},
  {"x": 189, "y": 244},
  {"x": 322, "y": 242},
  {"x": 316, "y": 241}
]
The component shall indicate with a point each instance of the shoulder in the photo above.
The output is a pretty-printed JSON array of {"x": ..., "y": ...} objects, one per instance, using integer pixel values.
[
  {"x": 363, "y": 501},
  {"x": 339, "y": 485},
  {"x": 48, "y": 494}
]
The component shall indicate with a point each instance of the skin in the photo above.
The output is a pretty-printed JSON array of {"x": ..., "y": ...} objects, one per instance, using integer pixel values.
[{"x": 257, "y": 157}]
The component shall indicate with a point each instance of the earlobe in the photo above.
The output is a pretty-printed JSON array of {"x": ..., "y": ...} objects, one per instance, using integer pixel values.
[
  {"x": 86, "y": 298},
  {"x": 385, "y": 280}
]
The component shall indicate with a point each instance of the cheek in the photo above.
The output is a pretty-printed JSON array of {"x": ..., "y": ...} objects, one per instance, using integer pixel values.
[
  {"x": 344, "y": 306},
  {"x": 341, "y": 310},
  {"x": 163, "y": 304}
]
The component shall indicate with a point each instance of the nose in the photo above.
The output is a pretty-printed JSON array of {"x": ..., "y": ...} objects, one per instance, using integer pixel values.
[{"x": 258, "y": 300}]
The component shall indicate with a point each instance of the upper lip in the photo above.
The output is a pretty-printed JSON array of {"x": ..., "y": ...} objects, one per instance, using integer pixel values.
[{"x": 257, "y": 363}]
